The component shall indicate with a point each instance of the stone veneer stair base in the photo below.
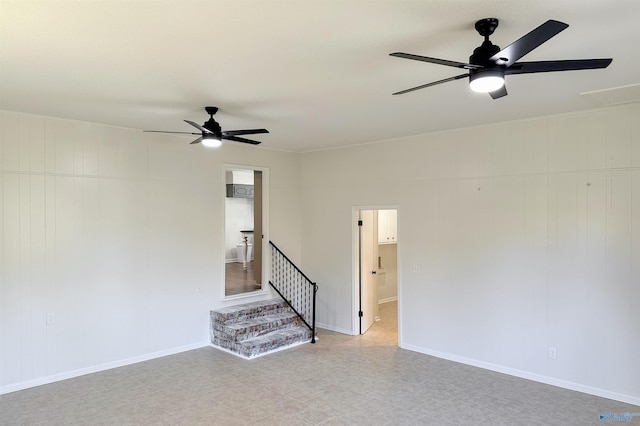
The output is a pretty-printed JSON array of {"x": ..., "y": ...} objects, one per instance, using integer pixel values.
[
  {"x": 282, "y": 348},
  {"x": 254, "y": 329}
]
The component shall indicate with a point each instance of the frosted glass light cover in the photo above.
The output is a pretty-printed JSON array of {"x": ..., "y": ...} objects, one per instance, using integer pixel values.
[
  {"x": 211, "y": 142},
  {"x": 486, "y": 84}
]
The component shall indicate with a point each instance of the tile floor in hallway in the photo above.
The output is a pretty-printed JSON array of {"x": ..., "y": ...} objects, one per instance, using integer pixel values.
[{"x": 341, "y": 380}]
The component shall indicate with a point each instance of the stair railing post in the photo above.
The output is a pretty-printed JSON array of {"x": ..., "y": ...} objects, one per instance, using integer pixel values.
[{"x": 313, "y": 318}]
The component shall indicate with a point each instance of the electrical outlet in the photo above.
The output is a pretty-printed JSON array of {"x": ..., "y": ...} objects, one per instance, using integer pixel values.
[
  {"x": 51, "y": 318},
  {"x": 417, "y": 269},
  {"x": 553, "y": 354}
]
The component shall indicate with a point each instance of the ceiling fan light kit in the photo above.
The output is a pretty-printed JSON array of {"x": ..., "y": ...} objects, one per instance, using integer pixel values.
[
  {"x": 211, "y": 134},
  {"x": 211, "y": 141},
  {"x": 486, "y": 81},
  {"x": 488, "y": 64}
]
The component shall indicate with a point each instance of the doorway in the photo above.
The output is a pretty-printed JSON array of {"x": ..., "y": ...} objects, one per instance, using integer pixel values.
[
  {"x": 244, "y": 219},
  {"x": 376, "y": 271}
]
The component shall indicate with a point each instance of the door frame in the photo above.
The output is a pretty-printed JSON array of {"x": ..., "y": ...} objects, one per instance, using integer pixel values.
[
  {"x": 266, "y": 260},
  {"x": 355, "y": 247}
]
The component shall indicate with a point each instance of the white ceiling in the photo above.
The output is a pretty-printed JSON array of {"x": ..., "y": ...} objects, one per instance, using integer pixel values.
[{"x": 316, "y": 73}]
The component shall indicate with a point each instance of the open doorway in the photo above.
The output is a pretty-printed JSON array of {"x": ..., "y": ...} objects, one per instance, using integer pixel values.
[
  {"x": 244, "y": 218},
  {"x": 376, "y": 272}
]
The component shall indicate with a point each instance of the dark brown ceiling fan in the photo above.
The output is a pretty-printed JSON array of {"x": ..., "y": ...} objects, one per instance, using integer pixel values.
[
  {"x": 488, "y": 64},
  {"x": 211, "y": 134}
]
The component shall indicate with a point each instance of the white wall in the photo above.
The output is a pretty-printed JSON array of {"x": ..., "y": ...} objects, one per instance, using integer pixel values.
[
  {"x": 527, "y": 234},
  {"x": 117, "y": 236}
]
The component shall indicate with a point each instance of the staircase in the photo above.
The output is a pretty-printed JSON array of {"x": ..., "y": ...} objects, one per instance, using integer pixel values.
[{"x": 258, "y": 328}]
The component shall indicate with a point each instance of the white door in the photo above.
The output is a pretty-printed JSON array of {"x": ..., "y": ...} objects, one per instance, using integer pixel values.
[{"x": 368, "y": 267}]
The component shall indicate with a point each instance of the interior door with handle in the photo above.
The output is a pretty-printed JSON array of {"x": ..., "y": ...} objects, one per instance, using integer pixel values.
[{"x": 368, "y": 254}]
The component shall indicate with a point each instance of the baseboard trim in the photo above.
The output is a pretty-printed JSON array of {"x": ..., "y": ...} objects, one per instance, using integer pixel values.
[
  {"x": 332, "y": 328},
  {"x": 387, "y": 300},
  {"x": 528, "y": 375},
  {"x": 14, "y": 387},
  {"x": 236, "y": 260}
]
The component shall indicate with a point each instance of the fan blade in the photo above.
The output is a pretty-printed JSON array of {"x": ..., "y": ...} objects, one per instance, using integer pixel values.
[
  {"x": 162, "y": 131},
  {"x": 457, "y": 77},
  {"x": 549, "y": 66},
  {"x": 196, "y": 141},
  {"x": 243, "y": 140},
  {"x": 499, "y": 93},
  {"x": 197, "y": 126},
  {"x": 525, "y": 44},
  {"x": 243, "y": 132},
  {"x": 436, "y": 61}
]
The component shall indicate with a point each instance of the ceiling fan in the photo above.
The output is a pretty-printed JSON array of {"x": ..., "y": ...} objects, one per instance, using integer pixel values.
[
  {"x": 211, "y": 134},
  {"x": 488, "y": 64}
]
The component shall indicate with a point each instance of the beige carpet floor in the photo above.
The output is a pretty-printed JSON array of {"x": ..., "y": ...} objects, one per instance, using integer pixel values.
[{"x": 341, "y": 380}]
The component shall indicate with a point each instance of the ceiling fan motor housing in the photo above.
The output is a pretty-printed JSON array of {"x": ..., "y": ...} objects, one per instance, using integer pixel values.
[
  {"x": 481, "y": 56},
  {"x": 213, "y": 126},
  {"x": 482, "y": 53}
]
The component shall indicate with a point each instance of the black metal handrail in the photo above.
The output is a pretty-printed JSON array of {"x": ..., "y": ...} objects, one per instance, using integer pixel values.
[{"x": 294, "y": 287}]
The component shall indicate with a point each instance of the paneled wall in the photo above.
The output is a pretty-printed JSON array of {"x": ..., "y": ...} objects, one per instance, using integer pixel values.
[
  {"x": 111, "y": 243},
  {"x": 528, "y": 238},
  {"x": 527, "y": 233}
]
